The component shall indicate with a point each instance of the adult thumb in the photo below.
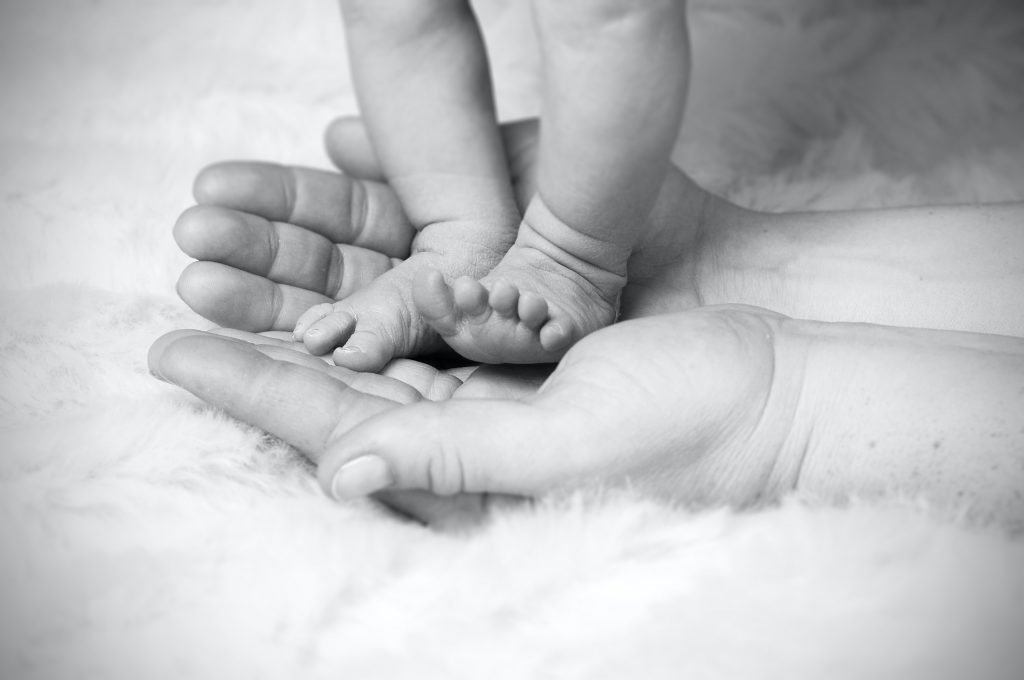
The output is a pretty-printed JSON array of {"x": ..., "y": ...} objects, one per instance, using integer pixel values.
[{"x": 451, "y": 447}]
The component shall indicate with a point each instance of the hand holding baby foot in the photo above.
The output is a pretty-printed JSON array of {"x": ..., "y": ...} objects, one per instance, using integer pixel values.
[
  {"x": 444, "y": 159},
  {"x": 705, "y": 438},
  {"x": 464, "y": 235},
  {"x": 274, "y": 241}
]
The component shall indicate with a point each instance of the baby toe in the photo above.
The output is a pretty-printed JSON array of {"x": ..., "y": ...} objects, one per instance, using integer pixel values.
[
  {"x": 329, "y": 332},
  {"x": 504, "y": 298},
  {"x": 555, "y": 337},
  {"x": 310, "y": 317},
  {"x": 470, "y": 296},
  {"x": 533, "y": 310},
  {"x": 365, "y": 350},
  {"x": 434, "y": 301}
]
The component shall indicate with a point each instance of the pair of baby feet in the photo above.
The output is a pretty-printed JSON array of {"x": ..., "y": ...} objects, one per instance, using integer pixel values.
[{"x": 540, "y": 298}]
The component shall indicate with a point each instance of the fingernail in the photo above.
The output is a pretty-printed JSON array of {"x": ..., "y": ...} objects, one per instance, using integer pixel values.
[
  {"x": 313, "y": 331},
  {"x": 349, "y": 349},
  {"x": 361, "y": 477}
]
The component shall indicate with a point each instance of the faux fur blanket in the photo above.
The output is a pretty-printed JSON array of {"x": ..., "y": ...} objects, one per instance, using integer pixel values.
[{"x": 145, "y": 535}]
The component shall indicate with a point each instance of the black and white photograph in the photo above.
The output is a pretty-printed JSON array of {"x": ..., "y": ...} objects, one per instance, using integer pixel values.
[{"x": 554, "y": 339}]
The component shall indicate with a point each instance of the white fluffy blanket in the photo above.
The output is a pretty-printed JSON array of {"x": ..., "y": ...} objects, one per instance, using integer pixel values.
[{"x": 144, "y": 535}]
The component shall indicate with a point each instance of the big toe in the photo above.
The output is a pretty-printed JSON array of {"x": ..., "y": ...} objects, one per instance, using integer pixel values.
[
  {"x": 375, "y": 343},
  {"x": 366, "y": 351},
  {"x": 434, "y": 300}
]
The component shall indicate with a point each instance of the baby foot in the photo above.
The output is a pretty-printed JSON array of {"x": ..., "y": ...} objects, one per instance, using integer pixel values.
[
  {"x": 553, "y": 287},
  {"x": 492, "y": 325},
  {"x": 379, "y": 322}
]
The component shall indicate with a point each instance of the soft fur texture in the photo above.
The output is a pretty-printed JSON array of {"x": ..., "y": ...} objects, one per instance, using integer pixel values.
[{"x": 145, "y": 535}]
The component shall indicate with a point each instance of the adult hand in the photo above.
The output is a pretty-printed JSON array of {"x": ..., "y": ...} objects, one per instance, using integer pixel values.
[
  {"x": 677, "y": 406},
  {"x": 714, "y": 405}
]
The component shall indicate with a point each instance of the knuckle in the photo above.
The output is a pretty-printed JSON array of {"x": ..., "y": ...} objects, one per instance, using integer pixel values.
[
  {"x": 445, "y": 471},
  {"x": 359, "y": 209}
]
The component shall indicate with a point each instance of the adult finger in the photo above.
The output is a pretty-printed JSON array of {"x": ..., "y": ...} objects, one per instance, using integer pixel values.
[
  {"x": 453, "y": 447},
  {"x": 342, "y": 209},
  {"x": 238, "y": 299},
  {"x": 349, "y": 147},
  {"x": 281, "y": 252}
]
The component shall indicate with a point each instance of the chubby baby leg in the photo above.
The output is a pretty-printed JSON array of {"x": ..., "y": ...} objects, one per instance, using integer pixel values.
[
  {"x": 614, "y": 89},
  {"x": 421, "y": 76}
]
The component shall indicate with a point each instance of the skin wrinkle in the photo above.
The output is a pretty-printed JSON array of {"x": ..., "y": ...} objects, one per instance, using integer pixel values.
[
  {"x": 272, "y": 242},
  {"x": 705, "y": 215},
  {"x": 761, "y": 422},
  {"x": 442, "y": 386},
  {"x": 359, "y": 210},
  {"x": 289, "y": 183},
  {"x": 405, "y": 327},
  {"x": 811, "y": 403},
  {"x": 543, "y": 265},
  {"x": 276, "y": 307},
  {"x": 446, "y": 475},
  {"x": 441, "y": 255},
  {"x": 777, "y": 483},
  {"x": 336, "y": 271},
  {"x": 562, "y": 256}
]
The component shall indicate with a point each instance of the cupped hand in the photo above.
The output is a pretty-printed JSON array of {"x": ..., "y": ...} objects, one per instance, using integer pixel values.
[
  {"x": 694, "y": 406},
  {"x": 273, "y": 382}
]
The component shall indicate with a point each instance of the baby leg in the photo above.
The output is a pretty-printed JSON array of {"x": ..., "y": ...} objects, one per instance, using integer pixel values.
[
  {"x": 421, "y": 73},
  {"x": 613, "y": 98}
]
